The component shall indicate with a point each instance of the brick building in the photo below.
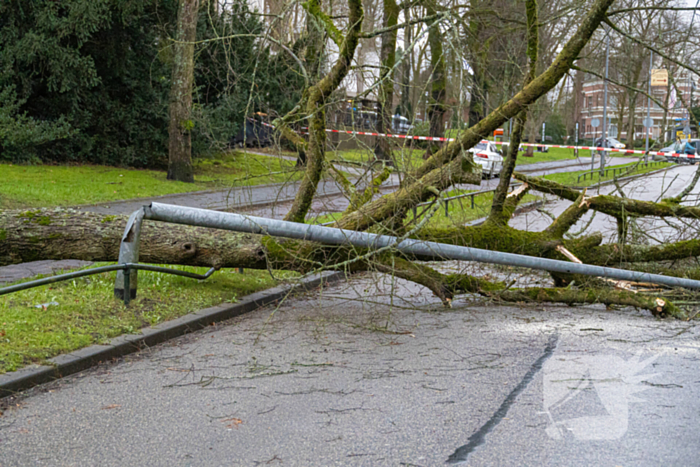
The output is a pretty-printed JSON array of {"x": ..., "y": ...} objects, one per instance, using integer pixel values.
[{"x": 591, "y": 107}]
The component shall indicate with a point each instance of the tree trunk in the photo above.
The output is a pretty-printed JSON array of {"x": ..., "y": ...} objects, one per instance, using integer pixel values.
[
  {"x": 382, "y": 149},
  {"x": 405, "y": 104},
  {"x": 499, "y": 196},
  {"x": 315, "y": 109},
  {"x": 438, "y": 83},
  {"x": 181, "y": 124},
  {"x": 631, "y": 120},
  {"x": 478, "y": 50}
]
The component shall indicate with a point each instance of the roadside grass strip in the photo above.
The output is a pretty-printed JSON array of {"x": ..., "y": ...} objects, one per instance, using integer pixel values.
[
  {"x": 40, "y": 323},
  {"x": 571, "y": 178}
]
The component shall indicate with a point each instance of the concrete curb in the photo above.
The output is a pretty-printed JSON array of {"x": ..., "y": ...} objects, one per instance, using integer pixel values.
[{"x": 74, "y": 362}]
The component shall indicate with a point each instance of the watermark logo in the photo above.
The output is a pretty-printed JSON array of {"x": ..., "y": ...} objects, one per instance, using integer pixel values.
[{"x": 588, "y": 396}]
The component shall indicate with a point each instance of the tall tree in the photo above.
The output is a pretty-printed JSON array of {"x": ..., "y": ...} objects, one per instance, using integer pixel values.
[
  {"x": 181, "y": 124},
  {"x": 438, "y": 80},
  {"x": 387, "y": 57}
]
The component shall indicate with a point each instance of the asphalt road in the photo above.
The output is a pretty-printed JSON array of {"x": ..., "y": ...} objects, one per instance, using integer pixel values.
[
  {"x": 356, "y": 377},
  {"x": 649, "y": 188}
]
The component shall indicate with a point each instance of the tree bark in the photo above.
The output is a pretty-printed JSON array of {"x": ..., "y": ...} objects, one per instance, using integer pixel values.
[
  {"x": 181, "y": 124},
  {"x": 499, "y": 196},
  {"x": 438, "y": 83},
  {"x": 315, "y": 109},
  {"x": 405, "y": 105},
  {"x": 382, "y": 150}
]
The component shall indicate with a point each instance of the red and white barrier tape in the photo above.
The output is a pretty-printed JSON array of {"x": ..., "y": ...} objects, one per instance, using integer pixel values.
[{"x": 588, "y": 148}]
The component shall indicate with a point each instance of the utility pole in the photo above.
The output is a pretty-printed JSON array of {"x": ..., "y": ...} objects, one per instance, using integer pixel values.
[
  {"x": 646, "y": 150},
  {"x": 605, "y": 101}
]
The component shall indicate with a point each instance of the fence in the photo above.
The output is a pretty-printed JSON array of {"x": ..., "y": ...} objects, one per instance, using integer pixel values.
[
  {"x": 126, "y": 268},
  {"x": 614, "y": 170}
]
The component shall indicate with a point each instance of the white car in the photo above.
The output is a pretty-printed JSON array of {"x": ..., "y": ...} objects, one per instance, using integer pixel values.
[
  {"x": 612, "y": 143},
  {"x": 487, "y": 155},
  {"x": 400, "y": 125}
]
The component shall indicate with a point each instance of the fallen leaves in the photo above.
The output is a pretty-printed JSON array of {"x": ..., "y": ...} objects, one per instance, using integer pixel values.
[
  {"x": 234, "y": 422},
  {"x": 111, "y": 406}
]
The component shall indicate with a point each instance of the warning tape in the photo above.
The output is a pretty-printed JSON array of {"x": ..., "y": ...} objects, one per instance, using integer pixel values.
[
  {"x": 590, "y": 148},
  {"x": 434, "y": 138}
]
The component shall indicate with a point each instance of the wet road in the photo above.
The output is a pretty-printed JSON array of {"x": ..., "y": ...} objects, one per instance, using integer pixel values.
[
  {"x": 650, "y": 188},
  {"x": 356, "y": 378}
]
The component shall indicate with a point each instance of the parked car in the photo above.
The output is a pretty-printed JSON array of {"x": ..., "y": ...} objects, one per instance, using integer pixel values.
[
  {"x": 612, "y": 143},
  {"x": 400, "y": 125},
  {"x": 680, "y": 147},
  {"x": 253, "y": 133},
  {"x": 489, "y": 158}
]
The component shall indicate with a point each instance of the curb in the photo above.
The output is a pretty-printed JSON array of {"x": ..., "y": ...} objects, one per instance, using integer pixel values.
[{"x": 79, "y": 360}]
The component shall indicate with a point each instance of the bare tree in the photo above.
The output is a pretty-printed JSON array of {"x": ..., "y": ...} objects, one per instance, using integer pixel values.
[{"x": 64, "y": 234}]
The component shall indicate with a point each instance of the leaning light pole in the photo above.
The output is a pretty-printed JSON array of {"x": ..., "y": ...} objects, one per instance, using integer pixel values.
[
  {"x": 648, "y": 121},
  {"x": 605, "y": 100}
]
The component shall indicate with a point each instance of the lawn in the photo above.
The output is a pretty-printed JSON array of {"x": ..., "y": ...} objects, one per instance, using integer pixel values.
[
  {"x": 460, "y": 210},
  {"x": 406, "y": 158},
  {"x": 86, "y": 312},
  {"x": 63, "y": 185},
  {"x": 571, "y": 178},
  {"x": 554, "y": 154}
]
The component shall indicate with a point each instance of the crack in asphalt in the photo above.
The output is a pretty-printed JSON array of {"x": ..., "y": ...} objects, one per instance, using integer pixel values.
[{"x": 477, "y": 439}]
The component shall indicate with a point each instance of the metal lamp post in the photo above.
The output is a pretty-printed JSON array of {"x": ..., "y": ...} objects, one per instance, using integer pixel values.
[
  {"x": 648, "y": 121},
  {"x": 605, "y": 100}
]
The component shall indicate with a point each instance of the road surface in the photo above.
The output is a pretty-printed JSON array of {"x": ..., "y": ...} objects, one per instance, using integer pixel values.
[{"x": 354, "y": 377}]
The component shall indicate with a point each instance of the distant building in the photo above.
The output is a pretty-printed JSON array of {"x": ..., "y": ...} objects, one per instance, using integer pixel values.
[{"x": 591, "y": 107}]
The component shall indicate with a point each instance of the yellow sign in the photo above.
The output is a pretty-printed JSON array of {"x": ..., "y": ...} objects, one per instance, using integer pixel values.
[{"x": 659, "y": 77}]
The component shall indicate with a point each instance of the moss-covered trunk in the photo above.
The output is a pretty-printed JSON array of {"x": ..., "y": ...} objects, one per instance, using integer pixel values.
[{"x": 315, "y": 105}]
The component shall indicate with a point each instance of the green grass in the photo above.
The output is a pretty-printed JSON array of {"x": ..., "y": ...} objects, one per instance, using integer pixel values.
[
  {"x": 554, "y": 154},
  {"x": 460, "y": 211},
  {"x": 406, "y": 157},
  {"x": 61, "y": 185},
  {"x": 87, "y": 313},
  {"x": 570, "y": 178}
]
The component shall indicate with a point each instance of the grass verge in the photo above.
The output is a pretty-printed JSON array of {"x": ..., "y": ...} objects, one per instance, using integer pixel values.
[
  {"x": 58, "y": 185},
  {"x": 571, "y": 178},
  {"x": 87, "y": 313},
  {"x": 459, "y": 213}
]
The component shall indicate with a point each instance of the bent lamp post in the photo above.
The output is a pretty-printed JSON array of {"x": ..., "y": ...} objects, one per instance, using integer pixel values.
[{"x": 129, "y": 249}]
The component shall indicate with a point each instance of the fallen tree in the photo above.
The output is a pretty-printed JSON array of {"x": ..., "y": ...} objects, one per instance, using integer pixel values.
[{"x": 29, "y": 235}]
